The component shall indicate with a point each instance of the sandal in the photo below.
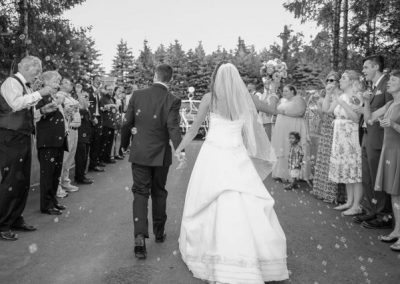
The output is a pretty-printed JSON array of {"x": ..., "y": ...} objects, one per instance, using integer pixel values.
[
  {"x": 342, "y": 207},
  {"x": 388, "y": 239},
  {"x": 352, "y": 211},
  {"x": 395, "y": 246}
]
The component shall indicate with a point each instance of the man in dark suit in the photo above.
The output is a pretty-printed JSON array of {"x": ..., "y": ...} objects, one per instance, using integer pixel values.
[
  {"x": 51, "y": 141},
  {"x": 95, "y": 108},
  {"x": 154, "y": 112},
  {"x": 375, "y": 204}
]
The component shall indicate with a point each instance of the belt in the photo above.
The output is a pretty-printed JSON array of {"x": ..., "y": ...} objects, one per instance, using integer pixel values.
[{"x": 73, "y": 128}]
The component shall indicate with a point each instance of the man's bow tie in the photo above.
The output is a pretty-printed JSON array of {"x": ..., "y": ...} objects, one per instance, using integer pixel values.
[{"x": 28, "y": 84}]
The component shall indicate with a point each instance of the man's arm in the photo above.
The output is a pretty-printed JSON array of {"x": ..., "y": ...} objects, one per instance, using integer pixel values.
[
  {"x": 128, "y": 124},
  {"x": 173, "y": 121},
  {"x": 12, "y": 90}
]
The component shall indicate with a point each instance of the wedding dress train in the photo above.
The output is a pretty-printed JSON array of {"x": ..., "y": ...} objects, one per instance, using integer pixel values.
[{"x": 230, "y": 232}]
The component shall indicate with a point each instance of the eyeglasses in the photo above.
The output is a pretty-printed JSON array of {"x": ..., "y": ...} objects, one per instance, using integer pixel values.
[{"x": 330, "y": 80}]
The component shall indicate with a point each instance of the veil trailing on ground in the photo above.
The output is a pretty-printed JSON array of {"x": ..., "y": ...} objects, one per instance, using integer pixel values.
[{"x": 231, "y": 99}]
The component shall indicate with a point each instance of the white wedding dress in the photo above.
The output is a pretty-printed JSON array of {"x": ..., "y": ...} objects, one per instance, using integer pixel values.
[{"x": 230, "y": 232}]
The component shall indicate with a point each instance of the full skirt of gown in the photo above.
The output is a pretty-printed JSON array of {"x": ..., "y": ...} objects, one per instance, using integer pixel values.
[{"x": 230, "y": 232}]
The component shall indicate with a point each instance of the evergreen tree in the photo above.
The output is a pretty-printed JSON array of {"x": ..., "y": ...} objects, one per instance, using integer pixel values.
[
  {"x": 144, "y": 71},
  {"x": 122, "y": 63}
]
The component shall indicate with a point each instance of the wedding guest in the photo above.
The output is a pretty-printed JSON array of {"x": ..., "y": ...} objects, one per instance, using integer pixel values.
[
  {"x": 108, "y": 115},
  {"x": 269, "y": 97},
  {"x": 84, "y": 138},
  {"x": 388, "y": 177},
  {"x": 251, "y": 87},
  {"x": 51, "y": 142},
  {"x": 376, "y": 204},
  {"x": 17, "y": 103},
  {"x": 313, "y": 113},
  {"x": 94, "y": 109},
  {"x": 119, "y": 97},
  {"x": 73, "y": 120},
  {"x": 295, "y": 160},
  {"x": 290, "y": 118},
  {"x": 323, "y": 188},
  {"x": 345, "y": 160}
]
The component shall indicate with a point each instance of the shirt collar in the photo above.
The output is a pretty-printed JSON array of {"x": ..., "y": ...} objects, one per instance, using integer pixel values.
[
  {"x": 22, "y": 78},
  {"x": 379, "y": 80},
  {"x": 161, "y": 83}
]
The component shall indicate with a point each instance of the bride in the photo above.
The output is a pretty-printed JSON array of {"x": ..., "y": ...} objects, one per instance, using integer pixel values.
[{"x": 230, "y": 232}]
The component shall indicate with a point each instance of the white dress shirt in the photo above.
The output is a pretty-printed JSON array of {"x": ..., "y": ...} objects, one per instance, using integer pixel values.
[{"x": 12, "y": 91}]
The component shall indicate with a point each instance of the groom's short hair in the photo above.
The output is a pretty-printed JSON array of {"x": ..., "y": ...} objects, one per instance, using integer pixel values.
[
  {"x": 164, "y": 73},
  {"x": 376, "y": 60}
]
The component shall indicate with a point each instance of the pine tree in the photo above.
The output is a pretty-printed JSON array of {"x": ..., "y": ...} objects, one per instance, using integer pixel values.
[
  {"x": 160, "y": 54},
  {"x": 145, "y": 66},
  {"x": 122, "y": 63}
]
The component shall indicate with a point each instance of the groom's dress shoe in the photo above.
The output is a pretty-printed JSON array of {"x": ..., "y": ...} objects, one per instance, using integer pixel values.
[
  {"x": 140, "y": 247},
  {"x": 161, "y": 238}
]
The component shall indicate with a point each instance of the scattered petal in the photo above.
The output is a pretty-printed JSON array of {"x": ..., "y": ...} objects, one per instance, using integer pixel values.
[{"x": 33, "y": 248}]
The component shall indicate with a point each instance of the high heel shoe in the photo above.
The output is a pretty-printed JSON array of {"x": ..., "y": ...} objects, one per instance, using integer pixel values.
[{"x": 342, "y": 207}]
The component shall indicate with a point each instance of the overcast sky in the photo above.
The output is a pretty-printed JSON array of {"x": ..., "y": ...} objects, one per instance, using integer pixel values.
[{"x": 214, "y": 22}]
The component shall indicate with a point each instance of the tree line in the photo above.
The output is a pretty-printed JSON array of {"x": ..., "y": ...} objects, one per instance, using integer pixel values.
[{"x": 37, "y": 28}]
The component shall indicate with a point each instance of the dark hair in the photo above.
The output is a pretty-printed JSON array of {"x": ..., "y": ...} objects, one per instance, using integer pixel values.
[
  {"x": 377, "y": 60},
  {"x": 295, "y": 135},
  {"x": 292, "y": 88},
  {"x": 395, "y": 72},
  {"x": 115, "y": 89},
  {"x": 164, "y": 73},
  {"x": 334, "y": 74}
]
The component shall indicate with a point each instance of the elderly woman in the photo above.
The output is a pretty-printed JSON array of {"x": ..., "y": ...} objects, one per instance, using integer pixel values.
[
  {"x": 51, "y": 134},
  {"x": 388, "y": 177},
  {"x": 323, "y": 188},
  {"x": 345, "y": 160},
  {"x": 290, "y": 119}
]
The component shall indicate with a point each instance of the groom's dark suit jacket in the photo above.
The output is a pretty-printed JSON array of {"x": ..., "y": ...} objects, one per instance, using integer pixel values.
[{"x": 155, "y": 113}]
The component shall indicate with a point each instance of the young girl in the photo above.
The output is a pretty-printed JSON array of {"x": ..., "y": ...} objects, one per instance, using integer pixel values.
[{"x": 295, "y": 159}]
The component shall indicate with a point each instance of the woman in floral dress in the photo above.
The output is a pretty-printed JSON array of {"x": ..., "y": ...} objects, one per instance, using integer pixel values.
[
  {"x": 323, "y": 188},
  {"x": 345, "y": 160}
]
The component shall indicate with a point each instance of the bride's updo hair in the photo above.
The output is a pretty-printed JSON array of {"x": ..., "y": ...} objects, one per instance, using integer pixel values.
[{"x": 356, "y": 80}]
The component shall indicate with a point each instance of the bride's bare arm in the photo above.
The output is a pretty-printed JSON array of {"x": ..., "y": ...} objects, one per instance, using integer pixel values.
[{"x": 201, "y": 115}]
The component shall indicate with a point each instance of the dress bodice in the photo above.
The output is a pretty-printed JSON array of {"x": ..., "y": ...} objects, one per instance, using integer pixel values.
[
  {"x": 340, "y": 112},
  {"x": 224, "y": 132}
]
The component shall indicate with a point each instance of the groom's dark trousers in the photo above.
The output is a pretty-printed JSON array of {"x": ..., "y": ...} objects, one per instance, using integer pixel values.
[{"x": 155, "y": 114}]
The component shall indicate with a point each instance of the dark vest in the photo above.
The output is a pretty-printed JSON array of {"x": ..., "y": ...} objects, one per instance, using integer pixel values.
[{"x": 20, "y": 121}]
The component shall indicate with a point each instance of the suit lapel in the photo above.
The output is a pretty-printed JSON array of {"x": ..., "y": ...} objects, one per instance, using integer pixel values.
[{"x": 381, "y": 85}]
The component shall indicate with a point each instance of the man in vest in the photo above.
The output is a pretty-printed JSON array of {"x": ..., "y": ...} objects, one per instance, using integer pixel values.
[{"x": 16, "y": 127}]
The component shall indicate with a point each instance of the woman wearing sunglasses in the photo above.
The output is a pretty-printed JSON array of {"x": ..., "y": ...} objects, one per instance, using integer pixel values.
[{"x": 323, "y": 188}]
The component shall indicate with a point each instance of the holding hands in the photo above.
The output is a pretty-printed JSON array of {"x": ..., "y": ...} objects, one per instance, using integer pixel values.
[
  {"x": 181, "y": 157},
  {"x": 386, "y": 122}
]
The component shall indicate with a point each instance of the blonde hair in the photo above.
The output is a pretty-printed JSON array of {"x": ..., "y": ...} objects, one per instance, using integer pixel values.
[
  {"x": 355, "y": 78},
  {"x": 50, "y": 75}
]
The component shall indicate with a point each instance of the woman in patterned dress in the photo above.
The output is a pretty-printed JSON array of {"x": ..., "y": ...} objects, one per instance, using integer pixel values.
[
  {"x": 323, "y": 188},
  {"x": 345, "y": 160},
  {"x": 388, "y": 177}
]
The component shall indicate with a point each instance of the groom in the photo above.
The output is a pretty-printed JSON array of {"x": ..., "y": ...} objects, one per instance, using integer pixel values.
[{"x": 154, "y": 112}]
